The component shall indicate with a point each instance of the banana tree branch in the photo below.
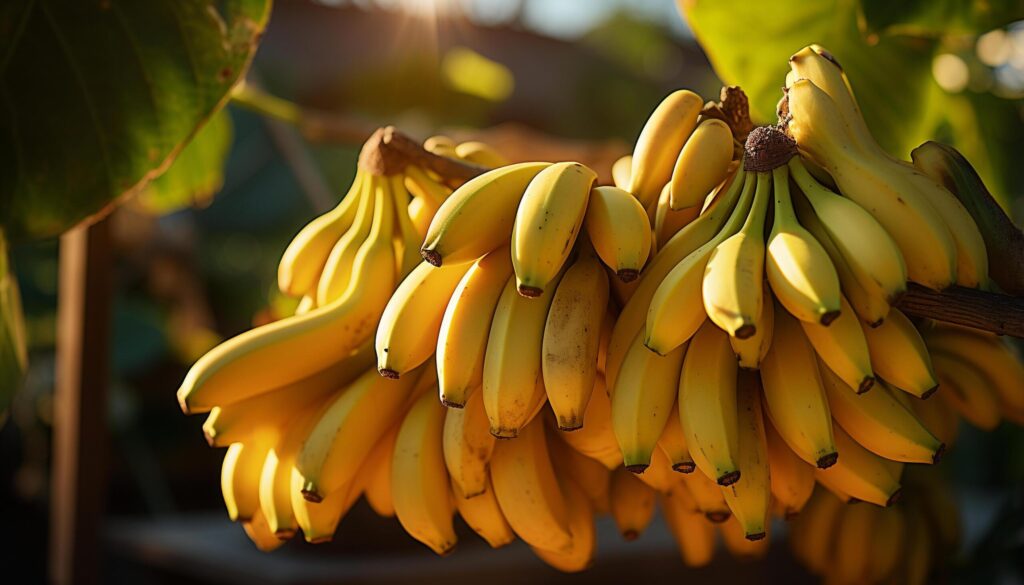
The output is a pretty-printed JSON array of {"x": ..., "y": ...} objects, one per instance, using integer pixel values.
[{"x": 970, "y": 307}]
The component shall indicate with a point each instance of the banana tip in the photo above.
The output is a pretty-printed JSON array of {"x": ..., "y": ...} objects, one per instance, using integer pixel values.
[
  {"x": 826, "y": 461},
  {"x": 717, "y": 516},
  {"x": 530, "y": 291},
  {"x": 570, "y": 426},
  {"x": 728, "y": 479},
  {"x": 431, "y": 256},
  {"x": 630, "y": 535},
  {"x": 828, "y": 317},
  {"x": 637, "y": 468},
  {"x": 310, "y": 495},
  {"x": 628, "y": 274},
  {"x": 685, "y": 467},
  {"x": 319, "y": 539},
  {"x": 756, "y": 536},
  {"x": 927, "y": 393},
  {"x": 895, "y": 497},
  {"x": 745, "y": 331},
  {"x": 452, "y": 403},
  {"x": 505, "y": 433},
  {"x": 866, "y": 384},
  {"x": 388, "y": 373},
  {"x": 939, "y": 452}
]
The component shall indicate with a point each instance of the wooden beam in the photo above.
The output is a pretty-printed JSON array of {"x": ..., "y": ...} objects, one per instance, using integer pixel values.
[{"x": 80, "y": 438}]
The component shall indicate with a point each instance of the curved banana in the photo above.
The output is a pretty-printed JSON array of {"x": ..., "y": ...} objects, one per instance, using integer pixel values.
[
  {"x": 794, "y": 395},
  {"x": 708, "y": 496},
  {"x": 478, "y": 216},
  {"x": 319, "y": 521},
  {"x": 702, "y": 164},
  {"x": 940, "y": 418},
  {"x": 668, "y": 222},
  {"x": 407, "y": 241},
  {"x": 899, "y": 355},
  {"x": 547, "y": 223},
  {"x": 620, "y": 231},
  {"x": 673, "y": 443},
  {"x": 968, "y": 391},
  {"x": 275, "y": 489},
  {"x": 462, "y": 338},
  {"x": 990, "y": 355},
  {"x": 660, "y": 142},
  {"x": 483, "y": 514},
  {"x": 658, "y": 475},
  {"x": 632, "y": 503},
  {"x": 480, "y": 153},
  {"x": 596, "y": 439},
  {"x": 622, "y": 168},
  {"x": 468, "y": 445},
  {"x": 409, "y": 325},
  {"x": 887, "y": 545},
  {"x": 813, "y": 531},
  {"x": 750, "y": 495},
  {"x": 419, "y": 484},
  {"x": 860, "y": 473},
  {"x": 694, "y": 535},
  {"x": 527, "y": 489},
  {"x": 260, "y": 535},
  {"x": 337, "y": 271},
  {"x": 739, "y": 546},
  {"x": 802, "y": 275},
  {"x": 571, "y": 337},
  {"x": 842, "y": 347},
  {"x": 855, "y": 532},
  {"x": 707, "y": 405},
  {"x": 750, "y": 352},
  {"x": 240, "y": 479},
  {"x": 580, "y": 555},
  {"x": 376, "y": 471},
  {"x": 791, "y": 478}
]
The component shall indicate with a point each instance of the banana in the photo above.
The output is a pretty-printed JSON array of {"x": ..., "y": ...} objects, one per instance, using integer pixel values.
[
  {"x": 732, "y": 286},
  {"x": 272, "y": 411},
  {"x": 478, "y": 216},
  {"x": 589, "y": 474},
  {"x": 407, "y": 241},
  {"x": 868, "y": 249},
  {"x": 483, "y": 514},
  {"x": 240, "y": 479},
  {"x": 668, "y": 222},
  {"x": 842, "y": 347},
  {"x": 738, "y": 544},
  {"x": 468, "y": 445},
  {"x": 596, "y": 439},
  {"x": 791, "y": 478},
  {"x": 658, "y": 474},
  {"x": 880, "y": 422},
  {"x": 481, "y": 154},
  {"x": 606, "y": 333},
  {"x": 794, "y": 395},
  {"x": 660, "y": 142},
  {"x": 634, "y": 312},
  {"x": 632, "y": 503},
  {"x": 513, "y": 385},
  {"x": 707, "y": 405},
  {"x": 420, "y": 213},
  {"x": 986, "y": 352},
  {"x": 899, "y": 355},
  {"x": 527, "y": 489},
  {"x": 673, "y": 443},
  {"x": 968, "y": 391},
  {"x": 259, "y": 533},
  {"x": 799, "y": 269},
  {"x": 304, "y": 258},
  {"x": 813, "y": 531},
  {"x": 750, "y": 352},
  {"x": 419, "y": 484},
  {"x": 642, "y": 401},
  {"x": 290, "y": 349},
  {"x": 275, "y": 489},
  {"x": 409, "y": 325},
  {"x": 580, "y": 555},
  {"x": 440, "y": 145},
  {"x": 870, "y": 307},
  {"x": 702, "y": 164},
  {"x": 619, "y": 230},
  {"x": 376, "y": 471},
  {"x": 860, "y": 473},
  {"x": 676, "y": 310},
  {"x": 855, "y": 532},
  {"x": 918, "y": 556},
  {"x": 319, "y": 521},
  {"x": 924, "y": 239},
  {"x": 938, "y": 416},
  {"x": 708, "y": 496},
  {"x": 571, "y": 335},
  {"x": 750, "y": 495},
  {"x": 462, "y": 338},
  {"x": 424, "y": 189},
  {"x": 694, "y": 535},
  {"x": 347, "y": 429},
  {"x": 622, "y": 168},
  {"x": 337, "y": 271},
  {"x": 547, "y": 223},
  {"x": 887, "y": 545}
]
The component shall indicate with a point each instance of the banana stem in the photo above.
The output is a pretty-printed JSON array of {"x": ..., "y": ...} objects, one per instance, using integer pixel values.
[{"x": 994, "y": 312}]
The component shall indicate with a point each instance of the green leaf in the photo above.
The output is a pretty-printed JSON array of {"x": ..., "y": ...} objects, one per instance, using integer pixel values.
[
  {"x": 98, "y": 97},
  {"x": 196, "y": 175},
  {"x": 934, "y": 18},
  {"x": 749, "y": 44},
  {"x": 13, "y": 353}
]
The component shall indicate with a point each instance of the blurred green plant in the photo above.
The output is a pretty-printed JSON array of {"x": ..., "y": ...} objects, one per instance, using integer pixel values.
[
  {"x": 13, "y": 357},
  {"x": 888, "y": 50}
]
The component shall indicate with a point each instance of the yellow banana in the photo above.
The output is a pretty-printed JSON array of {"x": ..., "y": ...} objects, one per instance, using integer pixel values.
[
  {"x": 842, "y": 347},
  {"x": 589, "y": 474},
  {"x": 887, "y": 545},
  {"x": 813, "y": 531},
  {"x": 990, "y": 355},
  {"x": 275, "y": 489},
  {"x": 527, "y": 489},
  {"x": 462, "y": 338},
  {"x": 799, "y": 269},
  {"x": 376, "y": 473},
  {"x": 580, "y": 554},
  {"x": 749, "y": 497},
  {"x": 419, "y": 481},
  {"x": 660, "y": 142},
  {"x": 483, "y": 514},
  {"x": 794, "y": 395},
  {"x": 707, "y": 405},
  {"x": 481, "y": 154},
  {"x": 694, "y": 535},
  {"x": 409, "y": 325},
  {"x": 642, "y": 401},
  {"x": 619, "y": 230},
  {"x": 899, "y": 355},
  {"x": 407, "y": 241},
  {"x": 259, "y": 533},
  {"x": 860, "y": 473},
  {"x": 290, "y": 349},
  {"x": 880, "y": 422},
  {"x": 673, "y": 443},
  {"x": 622, "y": 168},
  {"x": 732, "y": 286},
  {"x": 668, "y": 222},
  {"x": 596, "y": 439},
  {"x": 319, "y": 521},
  {"x": 571, "y": 336},
  {"x": 751, "y": 351},
  {"x": 855, "y": 531},
  {"x": 676, "y": 310},
  {"x": 632, "y": 503},
  {"x": 968, "y": 391},
  {"x": 702, "y": 164},
  {"x": 738, "y": 544},
  {"x": 240, "y": 479},
  {"x": 337, "y": 271},
  {"x": 439, "y": 144},
  {"x": 938, "y": 416},
  {"x": 708, "y": 496},
  {"x": 468, "y": 445},
  {"x": 658, "y": 474},
  {"x": 791, "y": 478},
  {"x": 547, "y": 223},
  {"x": 478, "y": 216}
]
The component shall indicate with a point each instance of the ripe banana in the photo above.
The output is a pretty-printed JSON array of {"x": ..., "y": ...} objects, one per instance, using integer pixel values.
[
  {"x": 660, "y": 142},
  {"x": 570, "y": 343},
  {"x": 749, "y": 496},
  {"x": 319, "y": 521},
  {"x": 589, "y": 474},
  {"x": 842, "y": 347},
  {"x": 738, "y": 545},
  {"x": 596, "y": 439},
  {"x": 702, "y": 164},
  {"x": 751, "y": 351},
  {"x": 622, "y": 168},
  {"x": 483, "y": 514},
  {"x": 337, "y": 271},
  {"x": 547, "y": 223},
  {"x": 668, "y": 222},
  {"x": 632, "y": 503},
  {"x": 997, "y": 361},
  {"x": 468, "y": 445},
  {"x": 481, "y": 154},
  {"x": 899, "y": 355},
  {"x": 580, "y": 554},
  {"x": 673, "y": 443},
  {"x": 855, "y": 532},
  {"x": 813, "y": 531},
  {"x": 860, "y": 473},
  {"x": 708, "y": 496},
  {"x": 967, "y": 390},
  {"x": 376, "y": 471},
  {"x": 694, "y": 535},
  {"x": 620, "y": 231},
  {"x": 791, "y": 478},
  {"x": 240, "y": 479}
]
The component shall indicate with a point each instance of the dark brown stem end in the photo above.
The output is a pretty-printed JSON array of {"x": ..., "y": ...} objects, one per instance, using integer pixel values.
[{"x": 767, "y": 148}]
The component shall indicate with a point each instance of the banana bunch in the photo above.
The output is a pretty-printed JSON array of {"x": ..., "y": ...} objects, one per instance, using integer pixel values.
[{"x": 847, "y": 542}]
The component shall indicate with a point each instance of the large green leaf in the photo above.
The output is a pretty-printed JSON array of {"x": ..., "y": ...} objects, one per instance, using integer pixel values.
[
  {"x": 934, "y": 18},
  {"x": 196, "y": 174},
  {"x": 749, "y": 44},
  {"x": 97, "y": 97}
]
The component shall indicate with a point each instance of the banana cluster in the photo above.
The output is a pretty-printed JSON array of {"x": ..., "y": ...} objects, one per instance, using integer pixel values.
[{"x": 847, "y": 542}]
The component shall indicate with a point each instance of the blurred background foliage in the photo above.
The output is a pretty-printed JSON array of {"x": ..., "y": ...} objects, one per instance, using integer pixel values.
[{"x": 197, "y": 249}]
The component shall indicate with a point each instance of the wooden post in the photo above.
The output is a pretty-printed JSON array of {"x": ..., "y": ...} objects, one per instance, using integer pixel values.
[{"x": 80, "y": 440}]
